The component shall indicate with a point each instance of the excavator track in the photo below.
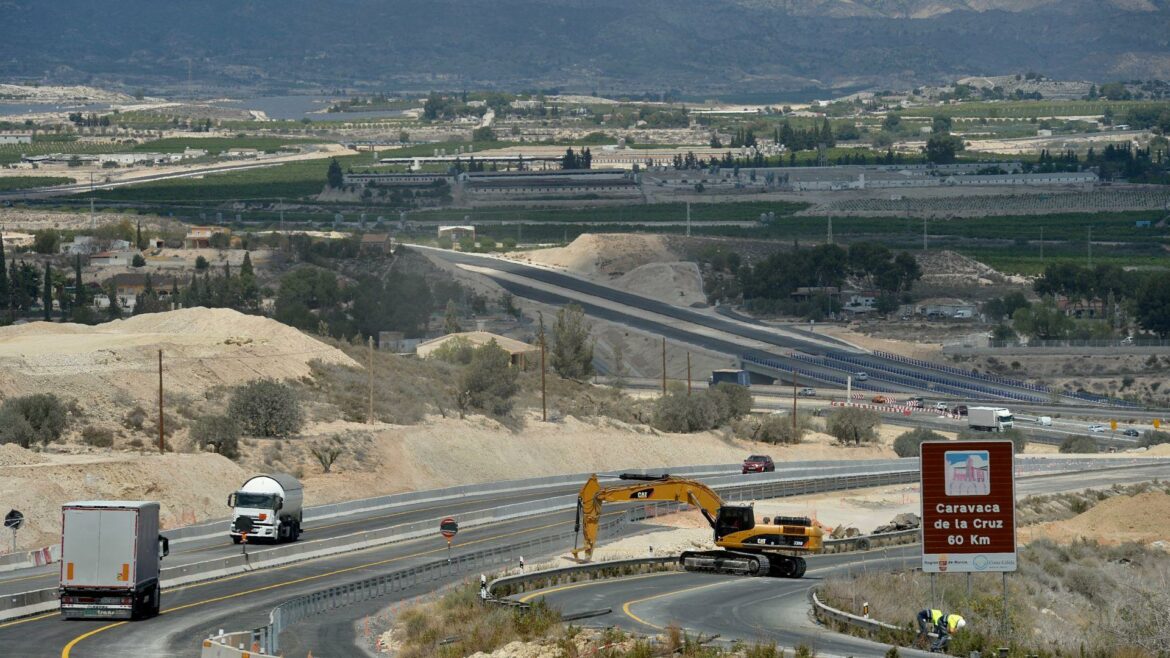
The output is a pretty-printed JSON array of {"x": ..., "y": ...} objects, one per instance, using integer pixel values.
[{"x": 744, "y": 564}]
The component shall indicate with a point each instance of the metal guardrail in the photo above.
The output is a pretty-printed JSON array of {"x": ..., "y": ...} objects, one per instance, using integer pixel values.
[
  {"x": 824, "y": 612},
  {"x": 546, "y": 574}
]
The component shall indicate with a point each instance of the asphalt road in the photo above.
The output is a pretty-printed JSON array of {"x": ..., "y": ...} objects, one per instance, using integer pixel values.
[
  {"x": 755, "y": 610},
  {"x": 244, "y": 601},
  {"x": 200, "y": 550},
  {"x": 343, "y": 633},
  {"x": 638, "y": 305},
  {"x": 769, "y": 609}
]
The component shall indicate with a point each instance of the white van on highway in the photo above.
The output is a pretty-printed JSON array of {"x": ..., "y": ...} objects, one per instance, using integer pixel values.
[{"x": 1045, "y": 421}]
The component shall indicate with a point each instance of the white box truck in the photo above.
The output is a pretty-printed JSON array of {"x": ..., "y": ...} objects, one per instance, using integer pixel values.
[
  {"x": 111, "y": 555},
  {"x": 273, "y": 503},
  {"x": 989, "y": 419}
]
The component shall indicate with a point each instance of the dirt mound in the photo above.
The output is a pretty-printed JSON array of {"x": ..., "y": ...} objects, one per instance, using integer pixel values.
[
  {"x": 1119, "y": 519},
  {"x": 190, "y": 488},
  {"x": 604, "y": 254},
  {"x": 948, "y": 267},
  {"x": 675, "y": 283},
  {"x": 13, "y": 455},
  {"x": 108, "y": 366}
]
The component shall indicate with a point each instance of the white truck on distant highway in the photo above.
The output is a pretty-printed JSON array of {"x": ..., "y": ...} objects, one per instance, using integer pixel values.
[
  {"x": 111, "y": 556},
  {"x": 989, "y": 419},
  {"x": 273, "y": 504}
]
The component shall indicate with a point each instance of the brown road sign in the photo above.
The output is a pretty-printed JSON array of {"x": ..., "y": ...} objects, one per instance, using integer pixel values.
[{"x": 968, "y": 506}]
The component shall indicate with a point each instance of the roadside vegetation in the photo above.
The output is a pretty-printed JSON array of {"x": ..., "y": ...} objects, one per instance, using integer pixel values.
[
  {"x": 9, "y": 183},
  {"x": 459, "y": 624},
  {"x": 1084, "y": 598}
]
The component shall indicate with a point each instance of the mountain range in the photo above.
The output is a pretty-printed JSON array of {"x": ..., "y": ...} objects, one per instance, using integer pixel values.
[{"x": 696, "y": 47}]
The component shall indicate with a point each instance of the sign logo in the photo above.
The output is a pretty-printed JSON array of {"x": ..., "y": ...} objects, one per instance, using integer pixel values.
[
  {"x": 967, "y": 473},
  {"x": 642, "y": 494}
]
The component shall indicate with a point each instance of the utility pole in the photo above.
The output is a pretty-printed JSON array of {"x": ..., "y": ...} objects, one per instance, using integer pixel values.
[
  {"x": 370, "y": 417},
  {"x": 794, "y": 402},
  {"x": 688, "y": 374},
  {"x": 161, "y": 443},
  {"x": 664, "y": 365},
  {"x": 543, "y": 395}
]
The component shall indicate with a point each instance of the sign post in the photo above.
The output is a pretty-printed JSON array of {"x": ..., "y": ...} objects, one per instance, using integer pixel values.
[
  {"x": 13, "y": 519},
  {"x": 448, "y": 528},
  {"x": 968, "y": 508},
  {"x": 244, "y": 525}
]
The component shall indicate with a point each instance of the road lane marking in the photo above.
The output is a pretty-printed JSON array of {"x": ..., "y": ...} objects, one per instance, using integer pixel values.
[
  {"x": 79, "y": 638},
  {"x": 528, "y": 597},
  {"x": 631, "y": 615},
  {"x": 365, "y": 519},
  {"x": 65, "y": 653}
]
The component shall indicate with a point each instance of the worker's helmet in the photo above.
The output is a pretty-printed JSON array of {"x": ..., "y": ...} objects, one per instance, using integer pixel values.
[{"x": 961, "y": 623}]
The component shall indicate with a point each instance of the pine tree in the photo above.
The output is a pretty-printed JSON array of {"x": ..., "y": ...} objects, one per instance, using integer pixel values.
[
  {"x": 114, "y": 311},
  {"x": 451, "y": 318},
  {"x": 335, "y": 177},
  {"x": 47, "y": 295},
  {"x": 246, "y": 266}
]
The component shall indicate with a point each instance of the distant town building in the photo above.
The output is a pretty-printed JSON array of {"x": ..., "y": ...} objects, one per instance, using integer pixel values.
[
  {"x": 521, "y": 352},
  {"x": 199, "y": 237},
  {"x": 16, "y": 138},
  {"x": 457, "y": 233},
  {"x": 376, "y": 243}
]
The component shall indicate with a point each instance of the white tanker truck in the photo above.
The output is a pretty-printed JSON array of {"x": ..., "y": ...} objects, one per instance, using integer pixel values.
[{"x": 273, "y": 504}]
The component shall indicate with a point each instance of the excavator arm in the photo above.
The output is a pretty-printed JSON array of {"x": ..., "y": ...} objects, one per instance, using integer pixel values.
[{"x": 665, "y": 488}]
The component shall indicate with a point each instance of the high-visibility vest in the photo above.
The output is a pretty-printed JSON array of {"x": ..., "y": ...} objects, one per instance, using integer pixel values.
[
  {"x": 935, "y": 616},
  {"x": 953, "y": 622}
]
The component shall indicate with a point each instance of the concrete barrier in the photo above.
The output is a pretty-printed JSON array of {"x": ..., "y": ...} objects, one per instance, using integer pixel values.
[{"x": 232, "y": 645}]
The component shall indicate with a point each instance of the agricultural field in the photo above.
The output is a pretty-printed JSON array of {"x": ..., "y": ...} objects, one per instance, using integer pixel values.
[
  {"x": 9, "y": 183},
  {"x": 1029, "y": 109},
  {"x": 217, "y": 145},
  {"x": 292, "y": 180},
  {"x": 10, "y": 153}
]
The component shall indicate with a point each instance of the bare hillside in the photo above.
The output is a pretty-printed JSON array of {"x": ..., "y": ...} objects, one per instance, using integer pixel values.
[{"x": 110, "y": 366}]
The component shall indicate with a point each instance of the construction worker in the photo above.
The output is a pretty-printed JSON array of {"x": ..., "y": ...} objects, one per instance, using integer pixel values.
[
  {"x": 927, "y": 620},
  {"x": 942, "y": 624},
  {"x": 945, "y": 628}
]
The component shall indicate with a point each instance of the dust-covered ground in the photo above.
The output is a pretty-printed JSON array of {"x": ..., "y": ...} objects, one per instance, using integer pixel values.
[{"x": 110, "y": 368}]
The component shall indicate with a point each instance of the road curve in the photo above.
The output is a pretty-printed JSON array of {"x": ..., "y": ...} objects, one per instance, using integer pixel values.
[{"x": 770, "y": 609}]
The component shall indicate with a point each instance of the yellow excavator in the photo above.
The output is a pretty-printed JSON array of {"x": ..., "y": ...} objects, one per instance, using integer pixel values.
[{"x": 747, "y": 548}]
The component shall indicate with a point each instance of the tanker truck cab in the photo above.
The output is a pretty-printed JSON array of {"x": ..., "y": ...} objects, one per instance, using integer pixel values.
[{"x": 273, "y": 505}]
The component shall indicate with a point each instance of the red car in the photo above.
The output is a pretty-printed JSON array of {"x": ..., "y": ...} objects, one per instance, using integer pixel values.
[{"x": 758, "y": 464}]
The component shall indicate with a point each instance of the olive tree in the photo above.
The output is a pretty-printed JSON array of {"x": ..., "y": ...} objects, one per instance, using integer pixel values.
[{"x": 266, "y": 407}]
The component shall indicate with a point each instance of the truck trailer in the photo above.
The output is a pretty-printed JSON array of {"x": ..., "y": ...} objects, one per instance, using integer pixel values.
[
  {"x": 111, "y": 556},
  {"x": 731, "y": 376},
  {"x": 989, "y": 419},
  {"x": 272, "y": 503}
]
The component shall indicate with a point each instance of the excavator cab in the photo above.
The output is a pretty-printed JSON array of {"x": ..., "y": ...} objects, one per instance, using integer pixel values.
[{"x": 734, "y": 519}]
